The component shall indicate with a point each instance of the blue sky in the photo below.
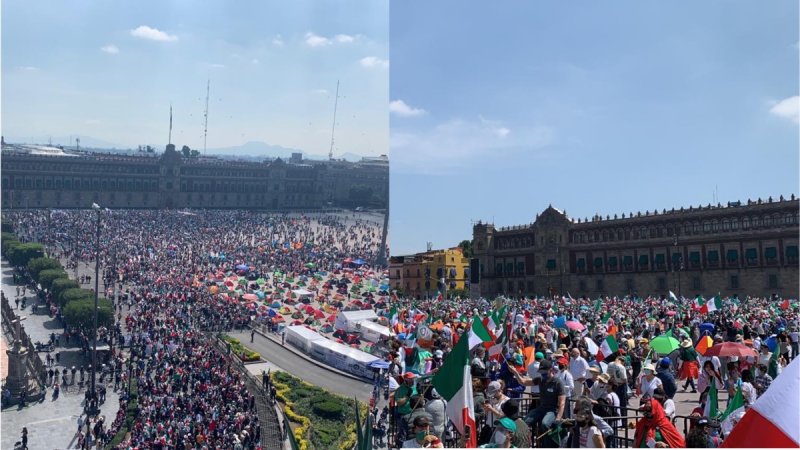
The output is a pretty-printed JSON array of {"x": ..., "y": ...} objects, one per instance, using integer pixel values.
[
  {"x": 111, "y": 69},
  {"x": 501, "y": 108}
]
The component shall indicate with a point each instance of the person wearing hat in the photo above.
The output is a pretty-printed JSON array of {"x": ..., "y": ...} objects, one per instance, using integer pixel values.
[
  {"x": 423, "y": 438},
  {"x": 701, "y": 435},
  {"x": 763, "y": 378},
  {"x": 402, "y": 400},
  {"x": 619, "y": 378},
  {"x": 552, "y": 397},
  {"x": 522, "y": 437},
  {"x": 689, "y": 370},
  {"x": 494, "y": 400},
  {"x": 595, "y": 390},
  {"x": 436, "y": 407},
  {"x": 533, "y": 371},
  {"x": 566, "y": 378},
  {"x": 503, "y": 435},
  {"x": 667, "y": 380},
  {"x": 649, "y": 381},
  {"x": 418, "y": 410}
]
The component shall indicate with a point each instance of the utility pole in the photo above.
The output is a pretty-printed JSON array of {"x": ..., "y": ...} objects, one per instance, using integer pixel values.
[{"x": 333, "y": 127}]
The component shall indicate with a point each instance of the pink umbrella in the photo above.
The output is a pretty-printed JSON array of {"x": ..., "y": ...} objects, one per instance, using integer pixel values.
[
  {"x": 250, "y": 297},
  {"x": 671, "y": 313},
  {"x": 577, "y": 326}
]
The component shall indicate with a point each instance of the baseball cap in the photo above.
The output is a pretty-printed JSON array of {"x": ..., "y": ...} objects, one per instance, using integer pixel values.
[
  {"x": 409, "y": 376},
  {"x": 493, "y": 387},
  {"x": 665, "y": 361},
  {"x": 538, "y": 356},
  {"x": 545, "y": 365},
  {"x": 422, "y": 421},
  {"x": 507, "y": 423}
]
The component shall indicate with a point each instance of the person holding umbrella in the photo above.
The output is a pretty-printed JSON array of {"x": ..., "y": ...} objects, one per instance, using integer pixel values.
[{"x": 689, "y": 366}]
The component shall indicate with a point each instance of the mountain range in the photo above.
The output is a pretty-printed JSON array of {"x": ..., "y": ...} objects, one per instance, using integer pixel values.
[{"x": 250, "y": 149}]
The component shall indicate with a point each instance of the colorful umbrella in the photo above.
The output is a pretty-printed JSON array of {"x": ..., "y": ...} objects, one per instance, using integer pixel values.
[
  {"x": 664, "y": 345},
  {"x": 731, "y": 349},
  {"x": 704, "y": 344},
  {"x": 577, "y": 326}
]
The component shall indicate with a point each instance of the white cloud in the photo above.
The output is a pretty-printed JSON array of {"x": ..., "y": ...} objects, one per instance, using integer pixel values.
[
  {"x": 372, "y": 62},
  {"x": 788, "y": 108},
  {"x": 344, "y": 38},
  {"x": 316, "y": 41},
  {"x": 277, "y": 41},
  {"x": 319, "y": 91},
  {"x": 29, "y": 68},
  {"x": 459, "y": 143},
  {"x": 402, "y": 109},
  {"x": 110, "y": 49},
  {"x": 153, "y": 34}
]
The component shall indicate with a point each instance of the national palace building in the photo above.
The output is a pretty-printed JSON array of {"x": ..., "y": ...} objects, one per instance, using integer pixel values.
[
  {"x": 47, "y": 177},
  {"x": 740, "y": 249}
]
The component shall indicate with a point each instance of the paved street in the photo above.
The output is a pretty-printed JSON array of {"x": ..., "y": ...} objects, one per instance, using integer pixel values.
[{"x": 53, "y": 423}]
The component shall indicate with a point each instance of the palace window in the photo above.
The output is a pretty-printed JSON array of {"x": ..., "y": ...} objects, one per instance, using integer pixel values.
[
  {"x": 598, "y": 264},
  {"x": 767, "y": 221},
  {"x": 791, "y": 254},
  {"x": 580, "y": 264},
  {"x": 644, "y": 261},
  {"x": 551, "y": 264},
  {"x": 771, "y": 255},
  {"x": 599, "y": 285},
  {"x": 732, "y": 257},
  {"x": 660, "y": 261},
  {"x": 627, "y": 262},
  {"x": 662, "y": 284},
  {"x": 697, "y": 283},
  {"x": 751, "y": 255},
  {"x": 612, "y": 263},
  {"x": 582, "y": 286},
  {"x": 712, "y": 259},
  {"x": 629, "y": 284}
]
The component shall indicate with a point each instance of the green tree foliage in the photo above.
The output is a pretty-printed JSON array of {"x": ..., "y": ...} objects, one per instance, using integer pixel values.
[
  {"x": 20, "y": 255},
  {"x": 59, "y": 285},
  {"x": 466, "y": 247},
  {"x": 46, "y": 277},
  {"x": 186, "y": 151},
  {"x": 80, "y": 313},
  {"x": 74, "y": 294},
  {"x": 37, "y": 265}
]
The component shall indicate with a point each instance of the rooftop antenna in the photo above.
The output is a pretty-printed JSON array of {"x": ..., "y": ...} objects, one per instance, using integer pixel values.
[
  {"x": 170, "y": 125},
  {"x": 333, "y": 128},
  {"x": 205, "y": 127},
  {"x": 77, "y": 143}
]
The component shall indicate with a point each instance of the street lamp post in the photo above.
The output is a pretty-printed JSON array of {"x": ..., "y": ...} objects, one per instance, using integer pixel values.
[{"x": 93, "y": 409}]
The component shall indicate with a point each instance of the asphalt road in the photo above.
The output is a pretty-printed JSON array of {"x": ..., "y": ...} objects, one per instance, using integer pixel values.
[{"x": 299, "y": 367}]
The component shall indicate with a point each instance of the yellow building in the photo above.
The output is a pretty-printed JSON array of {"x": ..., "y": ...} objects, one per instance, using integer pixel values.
[{"x": 427, "y": 274}]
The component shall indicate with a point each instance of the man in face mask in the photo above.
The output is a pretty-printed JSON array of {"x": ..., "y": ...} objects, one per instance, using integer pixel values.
[
  {"x": 402, "y": 398},
  {"x": 423, "y": 437},
  {"x": 503, "y": 434},
  {"x": 553, "y": 397}
]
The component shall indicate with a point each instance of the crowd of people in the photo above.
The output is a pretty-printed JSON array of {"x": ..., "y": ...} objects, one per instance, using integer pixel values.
[
  {"x": 161, "y": 264},
  {"x": 547, "y": 349}
]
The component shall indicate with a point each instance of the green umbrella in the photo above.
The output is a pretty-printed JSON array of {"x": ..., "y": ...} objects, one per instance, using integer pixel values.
[
  {"x": 260, "y": 281},
  {"x": 664, "y": 345},
  {"x": 309, "y": 265}
]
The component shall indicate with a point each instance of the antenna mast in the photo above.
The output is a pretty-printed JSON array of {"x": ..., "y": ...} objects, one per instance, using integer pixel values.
[
  {"x": 333, "y": 128},
  {"x": 205, "y": 127},
  {"x": 170, "y": 124}
]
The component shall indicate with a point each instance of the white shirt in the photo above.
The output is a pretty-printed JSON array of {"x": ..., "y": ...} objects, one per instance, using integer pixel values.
[
  {"x": 569, "y": 383},
  {"x": 533, "y": 372},
  {"x": 649, "y": 387},
  {"x": 669, "y": 408},
  {"x": 587, "y": 437},
  {"x": 578, "y": 367}
]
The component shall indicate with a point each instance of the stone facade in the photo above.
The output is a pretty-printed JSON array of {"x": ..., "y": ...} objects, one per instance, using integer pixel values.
[
  {"x": 171, "y": 180},
  {"x": 737, "y": 249}
]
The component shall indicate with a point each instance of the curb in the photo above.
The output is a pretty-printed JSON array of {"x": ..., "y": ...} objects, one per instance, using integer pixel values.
[{"x": 311, "y": 360}]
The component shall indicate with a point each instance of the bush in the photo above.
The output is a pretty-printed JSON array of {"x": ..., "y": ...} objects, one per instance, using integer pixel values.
[
  {"x": 59, "y": 285},
  {"x": 4, "y": 236},
  {"x": 328, "y": 409},
  {"x": 74, "y": 294},
  {"x": 36, "y": 265},
  {"x": 47, "y": 276},
  {"x": 22, "y": 253},
  {"x": 244, "y": 353},
  {"x": 80, "y": 313}
]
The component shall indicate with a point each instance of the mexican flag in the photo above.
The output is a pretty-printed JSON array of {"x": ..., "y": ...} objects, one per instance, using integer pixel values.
[
  {"x": 591, "y": 347},
  {"x": 598, "y": 303},
  {"x": 673, "y": 297},
  {"x": 478, "y": 334},
  {"x": 785, "y": 304},
  {"x": 496, "y": 347},
  {"x": 394, "y": 315},
  {"x": 772, "y": 420},
  {"x": 699, "y": 301},
  {"x": 712, "y": 402},
  {"x": 607, "y": 348},
  {"x": 734, "y": 411},
  {"x": 713, "y": 304},
  {"x": 454, "y": 383}
]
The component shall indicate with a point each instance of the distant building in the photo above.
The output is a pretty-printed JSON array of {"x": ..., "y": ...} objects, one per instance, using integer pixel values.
[
  {"x": 421, "y": 275},
  {"x": 45, "y": 177},
  {"x": 737, "y": 249}
]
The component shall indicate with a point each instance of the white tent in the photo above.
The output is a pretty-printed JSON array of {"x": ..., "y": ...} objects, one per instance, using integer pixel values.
[
  {"x": 347, "y": 320},
  {"x": 302, "y": 292},
  {"x": 301, "y": 337},
  {"x": 372, "y": 331},
  {"x": 342, "y": 357}
]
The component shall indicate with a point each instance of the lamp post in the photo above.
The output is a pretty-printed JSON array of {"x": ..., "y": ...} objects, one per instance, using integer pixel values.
[{"x": 93, "y": 408}]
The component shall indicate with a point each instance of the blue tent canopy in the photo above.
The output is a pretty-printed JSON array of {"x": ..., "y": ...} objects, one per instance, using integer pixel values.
[
  {"x": 707, "y": 328},
  {"x": 379, "y": 364},
  {"x": 242, "y": 267},
  {"x": 560, "y": 322},
  {"x": 359, "y": 261}
]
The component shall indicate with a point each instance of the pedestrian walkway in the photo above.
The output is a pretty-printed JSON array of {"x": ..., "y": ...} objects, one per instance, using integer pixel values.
[{"x": 51, "y": 423}]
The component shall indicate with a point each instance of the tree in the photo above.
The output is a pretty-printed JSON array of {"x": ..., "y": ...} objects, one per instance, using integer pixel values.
[
  {"x": 21, "y": 254},
  {"x": 47, "y": 276},
  {"x": 59, "y": 285},
  {"x": 462, "y": 293},
  {"x": 75, "y": 294},
  {"x": 186, "y": 151},
  {"x": 80, "y": 314},
  {"x": 37, "y": 265},
  {"x": 466, "y": 247},
  {"x": 195, "y": 153},
  {"x": 149, "y": 149}
]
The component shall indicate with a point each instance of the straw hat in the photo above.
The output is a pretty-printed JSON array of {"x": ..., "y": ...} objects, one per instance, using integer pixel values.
[
  {"x": 644, "y": 341},
  {"x": 686, "y": 343},
  {"x": 604, "y": 378},
  {"x": 594, "y": 369},
  {"x": 650, "y": 367}
]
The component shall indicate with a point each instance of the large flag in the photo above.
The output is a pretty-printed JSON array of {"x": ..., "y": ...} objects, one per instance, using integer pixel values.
[
  {"x": 454, "y": 383},
  {"x": 598, "y": 303},
  {"x": 712, "y": 402},
  {"x": 699, "y": 301},
  {"x": 673, "y": 297},
  {"x": 772, "y": 420},
  {"x": 607, "y": 348},
  {"x": 478, "y": 334},
  {"x": 591, "y": 347},
  {"x": 394, "y": 315},
  {"x": 713, "y": 304}
]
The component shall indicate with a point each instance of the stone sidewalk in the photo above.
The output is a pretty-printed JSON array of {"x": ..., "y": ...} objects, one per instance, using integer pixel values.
[{"x": 52, "y": 424}]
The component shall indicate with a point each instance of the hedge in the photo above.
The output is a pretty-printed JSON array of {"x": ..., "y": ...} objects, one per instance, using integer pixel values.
[
  {"x": 47, "y": 276},
  {"x": 37, "y": 265},
  {"x": 59, "y": 285},
  {"x": 73, "y": 294},
  {"x": 19, "y": 254},
  {"x": 244, "y": 353},
  {"x": 131, "y": 412},
  {"x": 80, "y": 313},
  {"x": 319, "y": 413}
]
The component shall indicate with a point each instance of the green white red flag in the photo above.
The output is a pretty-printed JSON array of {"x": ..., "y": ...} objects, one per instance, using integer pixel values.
[{"x": 454, "y": 383}]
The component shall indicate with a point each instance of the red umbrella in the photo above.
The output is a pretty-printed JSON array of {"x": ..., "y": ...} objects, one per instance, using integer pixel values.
[
  {"x": 332, "y": 318},
  {"x": 577, "y": 326},
  {"x": 731, "y": 349}
]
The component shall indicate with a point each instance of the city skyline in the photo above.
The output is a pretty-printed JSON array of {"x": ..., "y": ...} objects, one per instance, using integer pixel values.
[
  {"x": 113, "y": 71},
  {"x": 602, "y": 109}
]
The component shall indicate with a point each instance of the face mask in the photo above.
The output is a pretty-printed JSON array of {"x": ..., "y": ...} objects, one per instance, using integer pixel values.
[
  {"x": 499, "y": 437},
  {"x": 545, "y": 376},
  {"x": 421, "y": 435}
]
